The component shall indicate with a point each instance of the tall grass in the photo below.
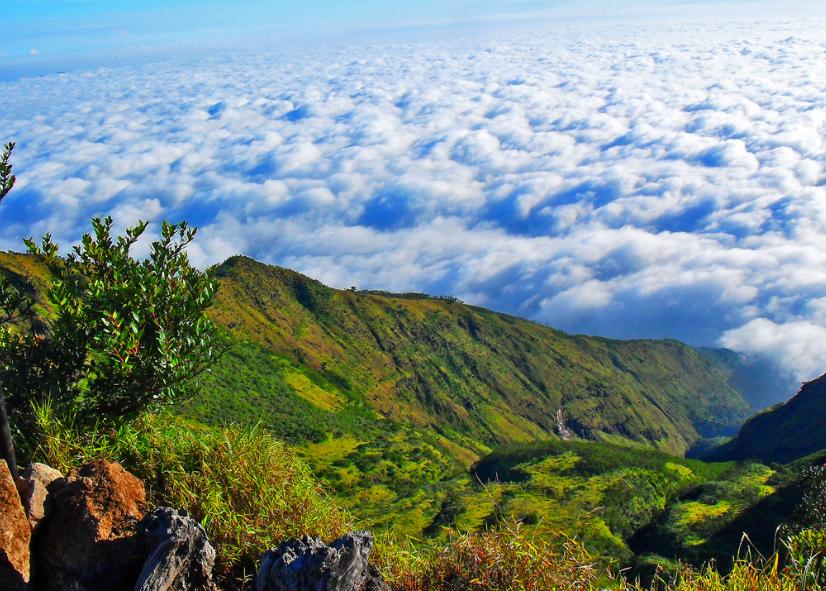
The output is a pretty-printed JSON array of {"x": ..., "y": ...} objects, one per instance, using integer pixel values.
[
  {"x": 248, "y": 490},
  {"x": 251, "y": 492},
  {"x": 501, "y": 559}
]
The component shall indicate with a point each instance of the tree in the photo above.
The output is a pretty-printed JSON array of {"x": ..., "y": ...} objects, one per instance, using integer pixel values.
[
  {"x": 6, "y": 177},
  {"x": 118, "y": 335},
  {"x": 127, "y": 335},
  {"x": 13, "y": 304}
]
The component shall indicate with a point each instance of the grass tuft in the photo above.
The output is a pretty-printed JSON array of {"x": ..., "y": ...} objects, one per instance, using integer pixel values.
[{"x": 247, "y": 489}]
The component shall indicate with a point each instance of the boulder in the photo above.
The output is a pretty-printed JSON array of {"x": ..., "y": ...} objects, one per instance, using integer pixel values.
[
  {"x": 15, "y": 535},
  {"x": 310, "y": 565},
  {"x": 89, "y": 542},
  {"x": 180, "y": 556},
  {"x": 38, "y": 482}
]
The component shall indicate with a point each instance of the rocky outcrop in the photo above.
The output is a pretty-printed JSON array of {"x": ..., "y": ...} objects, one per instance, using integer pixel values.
[
  {"x": 180, "y": 556},
  {"x": 89, "y": 542},
  {"x": 37, "y": 483},
  {"x": 15, "y": 535},
  {"x": 310, "y": 565}
]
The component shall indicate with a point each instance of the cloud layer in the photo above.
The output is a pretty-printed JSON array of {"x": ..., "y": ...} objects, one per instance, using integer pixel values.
[{"x": 644, "y": 181}]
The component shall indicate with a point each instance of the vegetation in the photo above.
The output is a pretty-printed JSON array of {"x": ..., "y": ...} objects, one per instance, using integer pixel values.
[
  {"x": 502, "y": 559},
  {"x": 124, "y": 335},
  {"x": 13, "y": 304},
  {"x": 471, "y": 373},
  {"x": 392, "y": 400},
  {"x": 247, "y": 489},
  {"x": 795, "y": 428}
]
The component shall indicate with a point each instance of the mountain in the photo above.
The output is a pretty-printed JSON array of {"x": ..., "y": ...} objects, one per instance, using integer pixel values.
[
  {"x": 424, "y": 413},
  {"x": 785, "y": 432},
  {"x": 344, "y": 359},
  {"x": 493, "y": 378}
]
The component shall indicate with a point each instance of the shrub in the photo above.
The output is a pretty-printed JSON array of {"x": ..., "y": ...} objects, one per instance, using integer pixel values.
[
  {"x": 502, "y": 559},
  {"x": 126, "y": 335},
  {"x": 248, "y": 490}
]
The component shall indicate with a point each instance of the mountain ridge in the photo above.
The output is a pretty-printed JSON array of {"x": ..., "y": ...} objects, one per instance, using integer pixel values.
[
  {"x": 477, "y": 377},
  {"x": 784, "y": 432},
  {"x": 538, "y": 369}
]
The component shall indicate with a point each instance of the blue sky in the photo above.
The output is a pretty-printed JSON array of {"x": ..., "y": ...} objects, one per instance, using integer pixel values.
[{"x": 38, "y": 32}]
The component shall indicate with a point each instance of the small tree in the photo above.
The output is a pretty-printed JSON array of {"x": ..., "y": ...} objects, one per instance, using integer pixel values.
[
  {"x": 120, "y": 336},
  {"x": 127, "y": 335},
  {"x": 13, "y": 305}
]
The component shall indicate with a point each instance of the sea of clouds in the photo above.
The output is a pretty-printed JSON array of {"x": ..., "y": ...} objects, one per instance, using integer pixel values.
[{"x": 628, "y": 181}]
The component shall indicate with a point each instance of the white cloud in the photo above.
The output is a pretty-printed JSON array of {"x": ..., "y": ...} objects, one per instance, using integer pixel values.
[
  {"x": 631, "y": 181},
  {"x": 798, "y": 345}
]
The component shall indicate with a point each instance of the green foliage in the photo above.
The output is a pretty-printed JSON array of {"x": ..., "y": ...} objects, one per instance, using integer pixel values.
[
  {"x": 490, "y": 377},
  {"x": 392, "y": 399},
  {"x": 7, "y": 179},
  {"x": 248, "y": 490},
  {"x": 811, "y": 512},
  {"x": 502, "y": 559},
  {"x": 806, "y": 556},
  {"x": 126, "y": 335},
  {"x": 785, "y": 432}
]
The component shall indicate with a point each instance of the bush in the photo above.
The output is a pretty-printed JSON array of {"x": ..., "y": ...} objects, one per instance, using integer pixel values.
[
  {"x": 125, "y": 335},
  {"x": 248, "y": 490},
  {"x": 503, "y": 559}
]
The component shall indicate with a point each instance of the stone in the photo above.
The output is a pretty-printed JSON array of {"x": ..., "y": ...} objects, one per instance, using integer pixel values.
[
  {"x": 37, "y": 483},
  {"x": 310, "y": 565},
  {"x": 15, "y": 535},
  {"x": 89, "y": 541},
  {"x": 180, "y": 556}
]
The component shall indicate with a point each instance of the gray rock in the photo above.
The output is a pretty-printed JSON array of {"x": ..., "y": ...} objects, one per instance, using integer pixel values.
[
  {"x": 39, "y": 481},
  {"x": 310, "y": 565},
  {"x": 180, "y": 556}
]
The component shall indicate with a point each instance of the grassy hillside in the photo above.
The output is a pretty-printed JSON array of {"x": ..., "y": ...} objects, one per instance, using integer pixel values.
[
  {"x": 471, "y": 373},
  {"x": 785, "y": 432},
  {"x": 425, "y": 415}
]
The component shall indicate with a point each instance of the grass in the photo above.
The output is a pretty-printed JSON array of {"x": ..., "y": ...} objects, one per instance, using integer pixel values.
[
  {"x": 502, "y": 559},
  {"x": 248, "y": 490}
]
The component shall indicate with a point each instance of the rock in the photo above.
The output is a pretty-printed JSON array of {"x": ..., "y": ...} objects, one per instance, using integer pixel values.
[
  {"x": 37, "y": 483},
  {"x": 310, "y": 565},
  {"x": 15, "y": 535},
  {"x": 89, "y": 542},
  {"x": 180, "y": 556}
]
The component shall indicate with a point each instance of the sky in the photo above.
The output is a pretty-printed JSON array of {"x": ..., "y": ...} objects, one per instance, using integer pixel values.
[{"x": 645, "y": 170}]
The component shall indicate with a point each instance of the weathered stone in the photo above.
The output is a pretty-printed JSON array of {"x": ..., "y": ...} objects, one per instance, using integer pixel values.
[
  {"x": 37, "y": 483},
  {"x": 15, "y": 535},
  {"x": 180, "y": 556},
  {"x": 310, "y": 565},
  {"x": 89, "y": 542}
]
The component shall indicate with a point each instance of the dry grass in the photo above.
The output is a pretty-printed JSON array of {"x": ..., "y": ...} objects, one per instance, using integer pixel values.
[{"x": 248, "y": 490}]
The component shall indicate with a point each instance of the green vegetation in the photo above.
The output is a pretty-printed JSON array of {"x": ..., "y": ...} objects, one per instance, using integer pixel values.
[
  {"x": 247, "y": 489},
  {"x": 391, "y": 400},
  {"x": 251, "y": 491},
  {"x": 123, "y": 335},
  {"x": 783, "y": 433},
  {"x": 487, "y": 451},
  {"x": 474, "y": 374}
]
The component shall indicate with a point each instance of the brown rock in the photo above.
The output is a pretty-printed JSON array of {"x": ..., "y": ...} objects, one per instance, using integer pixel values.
[
  {"x": 89, "y": 542},
  {"x": 15, "y": 535},
  {"x": 38, "y": 482}
]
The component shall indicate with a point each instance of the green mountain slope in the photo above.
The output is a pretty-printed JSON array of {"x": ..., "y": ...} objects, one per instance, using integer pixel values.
[
  {"x": 464, "y": 370},
  {"x": 325, "y": 361},
  {"x": 784, "y": 432},
  {"x": 425, "y": 414}
]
